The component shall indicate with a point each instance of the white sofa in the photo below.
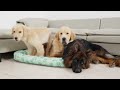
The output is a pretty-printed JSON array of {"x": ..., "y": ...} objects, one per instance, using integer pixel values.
[{"x": 102, "y": 31}]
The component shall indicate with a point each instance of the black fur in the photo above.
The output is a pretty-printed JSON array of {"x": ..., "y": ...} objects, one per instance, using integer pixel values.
[{"x": 75, "y": 54}]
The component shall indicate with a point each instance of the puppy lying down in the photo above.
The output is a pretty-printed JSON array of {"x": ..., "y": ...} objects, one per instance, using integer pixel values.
[
  {"x": 80, "y": 53},
  {"x": 34, "y": 38}
]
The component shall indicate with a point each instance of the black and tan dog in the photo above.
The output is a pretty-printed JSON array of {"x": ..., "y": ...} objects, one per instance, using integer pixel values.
[
  {"x": 81, "y": 52},
  {"x": 79, "y": 62}
]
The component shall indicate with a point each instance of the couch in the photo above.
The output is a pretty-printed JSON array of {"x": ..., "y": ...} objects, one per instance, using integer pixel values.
[{"x": 101, "y": 31}]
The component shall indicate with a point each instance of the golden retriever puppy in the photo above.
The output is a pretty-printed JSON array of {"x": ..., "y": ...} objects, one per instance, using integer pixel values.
[
  {"x": 56, "y": 44},
  {"x": 34, "y": 38}
]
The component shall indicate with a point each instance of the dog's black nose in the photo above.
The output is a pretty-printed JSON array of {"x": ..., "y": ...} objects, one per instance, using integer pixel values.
[
  {"x": 16, "y": 38},
  {"x": 63, "y": 39},
  {"x": 77, "y": 70}
]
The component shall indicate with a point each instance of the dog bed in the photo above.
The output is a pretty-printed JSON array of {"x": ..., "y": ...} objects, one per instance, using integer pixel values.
[{"x": 23, "y": 57}]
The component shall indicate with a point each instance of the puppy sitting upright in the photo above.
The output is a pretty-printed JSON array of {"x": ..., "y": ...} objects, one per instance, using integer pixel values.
[
  {"x": 56, "y": 45},
  {"x": 34, "y": 38}
]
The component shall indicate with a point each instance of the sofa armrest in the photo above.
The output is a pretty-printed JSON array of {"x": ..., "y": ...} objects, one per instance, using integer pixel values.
[{"x": 33, "y": 22}]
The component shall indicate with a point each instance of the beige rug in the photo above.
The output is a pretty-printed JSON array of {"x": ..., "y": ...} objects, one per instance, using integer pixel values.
[{"x": 10, "y": 69}]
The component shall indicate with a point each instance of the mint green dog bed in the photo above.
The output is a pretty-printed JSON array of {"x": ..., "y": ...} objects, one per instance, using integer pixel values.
[{"x": 22, "y": 56}]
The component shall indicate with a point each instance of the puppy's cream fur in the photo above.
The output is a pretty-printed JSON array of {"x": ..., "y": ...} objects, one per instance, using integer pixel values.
[
  {"x": 34, "y": 38},
  {"x": 55, "y": 44}
]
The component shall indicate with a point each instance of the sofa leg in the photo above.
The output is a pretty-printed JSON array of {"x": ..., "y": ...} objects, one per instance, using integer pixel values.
[{"x": 0, "y": 57}]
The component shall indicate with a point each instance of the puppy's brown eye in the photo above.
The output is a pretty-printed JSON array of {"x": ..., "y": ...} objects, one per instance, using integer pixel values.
[
  {"x": 61, "y": 33},
  {"x": 67, "y": 33},
  {"x": 13, "y": 32},
  {"x": 19, "y": 31}
]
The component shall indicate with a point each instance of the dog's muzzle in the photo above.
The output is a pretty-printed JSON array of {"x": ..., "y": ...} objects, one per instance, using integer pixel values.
[
  {"x": 16, "y": 38},
  {"x": 64, "y": 41}
]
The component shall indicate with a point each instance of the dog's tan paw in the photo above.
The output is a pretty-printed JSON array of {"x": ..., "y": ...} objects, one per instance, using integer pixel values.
[{"x": 112, "y": 65}]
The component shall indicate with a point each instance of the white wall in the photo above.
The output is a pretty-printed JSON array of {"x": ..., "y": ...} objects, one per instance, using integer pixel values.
[{"x": 8, "y": 18}]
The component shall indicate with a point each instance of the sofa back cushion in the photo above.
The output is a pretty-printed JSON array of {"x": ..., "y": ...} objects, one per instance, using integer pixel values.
[
  {"x": 80, "y": 33},
  {"x": 76, "y": 23},
  {"x": 34, "y": 22},
  {"x": 112, "y": 23}
]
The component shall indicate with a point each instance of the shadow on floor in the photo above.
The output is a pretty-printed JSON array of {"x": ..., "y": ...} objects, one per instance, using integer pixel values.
[{"x": 7, "y": 55}]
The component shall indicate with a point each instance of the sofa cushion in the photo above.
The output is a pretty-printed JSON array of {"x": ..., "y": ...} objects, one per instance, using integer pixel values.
[
  {"x": 79, "y": 32},
  {"x": 113, "y": 23},
  {"x": 114, "y": 49},
  {"x": 104, "y": 32},
  {"x": 76, "y": 23},
  {"x": 8, "y": 45},
  {"x": 104, "y": 39},
  {"x": 5, "y": 34},
  {"x": 104, "y": 36},
  {"x": 34, "y": 22}
]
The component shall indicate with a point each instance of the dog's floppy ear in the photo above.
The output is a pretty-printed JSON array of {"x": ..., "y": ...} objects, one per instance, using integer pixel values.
[
  {"x": 73, "y": 36},
  {"x": 57, "y": 36},
  {"x": 24, "y": 29}
]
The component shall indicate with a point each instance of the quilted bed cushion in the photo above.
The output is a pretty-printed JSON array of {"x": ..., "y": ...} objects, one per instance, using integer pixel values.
[{"x": 22, "y": 56}]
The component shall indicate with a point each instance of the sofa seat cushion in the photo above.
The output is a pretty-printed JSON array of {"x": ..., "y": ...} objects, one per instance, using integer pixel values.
[
  {"x": 104, "y": 32},
  {"x": 114, "y": 49},
  {"x": 104, "y": 39},
  {"x": 105, "y": 36},
  {"x": 9, "y": 45},
  {"x": 5, "y": 34}
]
